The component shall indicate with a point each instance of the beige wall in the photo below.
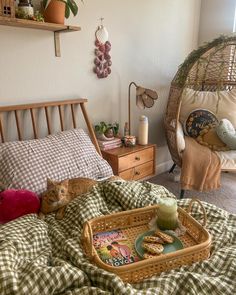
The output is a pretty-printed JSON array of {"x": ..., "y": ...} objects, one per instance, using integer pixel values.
[
  {"x": 149, "y": 40},
  {"x": 217, "y": 17}
]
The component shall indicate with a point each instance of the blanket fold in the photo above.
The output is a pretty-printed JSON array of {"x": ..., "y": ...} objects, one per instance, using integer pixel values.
[
  {"x": 200, "y": 167},
  {"x": 47, "y": 257}
]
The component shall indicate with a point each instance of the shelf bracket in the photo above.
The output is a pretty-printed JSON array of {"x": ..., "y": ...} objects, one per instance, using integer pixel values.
[
  {"x": 57, "y": 40},
  {"x": 30, "y": 24},
  {"x": 57, "y": 44}
]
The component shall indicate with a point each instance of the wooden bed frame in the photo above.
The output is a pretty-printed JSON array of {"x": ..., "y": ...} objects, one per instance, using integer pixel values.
[{"x": 45, "y": 105}]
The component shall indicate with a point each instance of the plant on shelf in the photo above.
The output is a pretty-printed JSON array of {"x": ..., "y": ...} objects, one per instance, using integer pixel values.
[
  {"x": 55, "y": 11},
  {"x": 106, "y": 131},
  {"x": 38, "y": 17}
]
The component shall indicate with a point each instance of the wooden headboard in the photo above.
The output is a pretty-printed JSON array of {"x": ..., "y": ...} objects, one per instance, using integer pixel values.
[{"x": 45, "y": 105}]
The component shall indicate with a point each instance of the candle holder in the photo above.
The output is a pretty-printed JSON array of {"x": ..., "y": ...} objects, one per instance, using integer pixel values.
[
  {"x": 129, "y": 140},
  {"x": 167, "y": 215}
]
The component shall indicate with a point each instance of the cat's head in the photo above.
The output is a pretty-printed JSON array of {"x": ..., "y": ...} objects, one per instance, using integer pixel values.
[{"x": 55, "y": 196}]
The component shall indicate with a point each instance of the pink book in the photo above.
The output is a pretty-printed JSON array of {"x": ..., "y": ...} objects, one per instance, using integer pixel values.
[
  {"x": 105, "y": 143},
  {"x": 112, "y": 146},
  {"x": 114, "y": 248}
]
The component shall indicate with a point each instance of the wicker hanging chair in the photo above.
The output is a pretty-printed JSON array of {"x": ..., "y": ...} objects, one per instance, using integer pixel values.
[{"x": 211, "y": 67}]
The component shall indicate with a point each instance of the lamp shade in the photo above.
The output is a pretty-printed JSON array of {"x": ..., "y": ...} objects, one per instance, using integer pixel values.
[{"x": 145, "y": 98}]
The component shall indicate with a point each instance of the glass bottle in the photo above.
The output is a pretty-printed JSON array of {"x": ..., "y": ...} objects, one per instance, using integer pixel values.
[
  {"x": 126, "y": 129},
  {"x": 143, "y": 130}
]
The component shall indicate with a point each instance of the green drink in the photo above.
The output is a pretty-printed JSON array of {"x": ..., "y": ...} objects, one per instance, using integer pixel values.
[{"x": 167, "y": 215}]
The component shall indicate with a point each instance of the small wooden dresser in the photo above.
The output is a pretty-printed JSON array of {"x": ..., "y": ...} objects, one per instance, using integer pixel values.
[{"x": 132, "y": 163}]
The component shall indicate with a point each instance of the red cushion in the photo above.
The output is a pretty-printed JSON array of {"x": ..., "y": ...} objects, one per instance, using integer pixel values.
[{"x": 15, "y": 203}]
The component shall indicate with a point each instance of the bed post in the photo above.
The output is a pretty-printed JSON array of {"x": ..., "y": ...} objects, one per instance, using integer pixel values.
[
  {"x": 90, "y": 128},
  {"x": 1, "y": 130}
]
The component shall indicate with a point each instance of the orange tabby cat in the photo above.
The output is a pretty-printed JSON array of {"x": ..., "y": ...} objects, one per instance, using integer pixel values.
[{"x": 59, "y": 194}]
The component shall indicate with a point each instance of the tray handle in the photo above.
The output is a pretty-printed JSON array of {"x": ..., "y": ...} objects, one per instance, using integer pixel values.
[
  {"x": 190, "y": 206},
  {"x": 88, "y": 240}
]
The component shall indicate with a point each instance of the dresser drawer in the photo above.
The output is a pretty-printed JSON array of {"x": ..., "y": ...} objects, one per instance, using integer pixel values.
[
  {"x": 135, "y": 159},
  {"x": 138, "y": 172}
]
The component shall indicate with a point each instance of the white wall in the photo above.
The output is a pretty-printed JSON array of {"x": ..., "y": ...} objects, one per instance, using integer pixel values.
[
  {"x": 217, "y": 17},
  {"x": 149, "y": 40}
]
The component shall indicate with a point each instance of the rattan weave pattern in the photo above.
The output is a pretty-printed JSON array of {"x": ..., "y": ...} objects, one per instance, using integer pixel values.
[
  {"x": 212, "y": 67},
  {"x": 196, "y": 242}
]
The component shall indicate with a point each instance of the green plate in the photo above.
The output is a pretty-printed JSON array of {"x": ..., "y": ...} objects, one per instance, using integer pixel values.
[{"x": 168, "y": 248}]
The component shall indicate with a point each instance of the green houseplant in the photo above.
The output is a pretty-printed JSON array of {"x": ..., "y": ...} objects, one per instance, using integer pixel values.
[
  {"x": 106, "y": 131},
  {"x": 55, "y": 11}
]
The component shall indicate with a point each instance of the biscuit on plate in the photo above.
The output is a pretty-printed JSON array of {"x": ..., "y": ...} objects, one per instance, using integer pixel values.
[
  {"x": 153, "y": 248},
  {"x": 153, "y": 239},
  {"x": 165, "y": 237}
]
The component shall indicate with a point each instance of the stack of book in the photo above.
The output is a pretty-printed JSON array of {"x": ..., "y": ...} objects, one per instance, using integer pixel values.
[{"x": 110, "y": 144}]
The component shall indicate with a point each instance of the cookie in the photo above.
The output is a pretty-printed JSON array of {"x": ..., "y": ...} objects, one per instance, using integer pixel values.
[
  {"x": 166, "y": 238},
  {"x": 153, "y": 248},
  {"x": 153, "y": 239}
]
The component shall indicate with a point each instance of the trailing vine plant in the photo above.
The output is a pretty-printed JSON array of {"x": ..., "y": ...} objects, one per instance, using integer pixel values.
[{"x": 195, "y": 55}]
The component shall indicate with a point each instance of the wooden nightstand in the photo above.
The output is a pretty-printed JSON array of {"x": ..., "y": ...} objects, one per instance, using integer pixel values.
[{"x": 132, "y": 163}]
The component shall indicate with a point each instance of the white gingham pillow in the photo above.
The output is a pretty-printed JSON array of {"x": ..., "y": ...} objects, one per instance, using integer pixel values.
[{"x": 69, "y": 154}]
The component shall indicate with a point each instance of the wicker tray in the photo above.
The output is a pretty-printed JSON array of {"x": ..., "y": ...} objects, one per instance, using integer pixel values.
[{"x": 196, "y": 241}]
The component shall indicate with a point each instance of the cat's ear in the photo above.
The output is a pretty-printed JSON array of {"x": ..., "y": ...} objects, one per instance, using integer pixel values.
[
  {"x": 50, "y": 183},
  {"x": 65, "y": 182}
]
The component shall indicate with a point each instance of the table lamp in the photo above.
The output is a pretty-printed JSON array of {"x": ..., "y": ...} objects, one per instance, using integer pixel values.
[{"x": 144, "y": 99}]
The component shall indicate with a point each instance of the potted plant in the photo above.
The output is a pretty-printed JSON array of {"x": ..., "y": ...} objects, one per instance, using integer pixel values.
[
  {"x": 55, "y": 11},
  {"x": 106, "y": 131}
]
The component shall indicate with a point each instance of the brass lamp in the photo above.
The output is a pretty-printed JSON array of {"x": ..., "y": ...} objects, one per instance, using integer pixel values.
[{"x": 144, "y": 99}]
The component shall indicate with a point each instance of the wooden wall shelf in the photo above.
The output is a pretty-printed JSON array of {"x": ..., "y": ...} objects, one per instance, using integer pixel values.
[{"x": 29, "y": 24}]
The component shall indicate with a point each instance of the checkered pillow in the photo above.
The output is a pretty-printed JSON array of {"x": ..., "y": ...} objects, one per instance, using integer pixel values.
[{"x": 68, "y": 154}]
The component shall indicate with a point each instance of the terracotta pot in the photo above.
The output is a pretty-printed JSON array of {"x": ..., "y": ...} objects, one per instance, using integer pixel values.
[{"x": 55, "y": 12}]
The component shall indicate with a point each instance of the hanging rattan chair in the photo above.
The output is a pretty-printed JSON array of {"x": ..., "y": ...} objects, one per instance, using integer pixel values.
[{"x": 212, "y": 67}]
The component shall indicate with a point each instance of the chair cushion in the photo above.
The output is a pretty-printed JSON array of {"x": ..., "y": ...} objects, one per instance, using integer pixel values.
[
  {"x": 192, "y": 100},
  {"x": 228, "y": 160},
  {"x": 227, "y": 133},
  {"x": 180, "y": 137}
]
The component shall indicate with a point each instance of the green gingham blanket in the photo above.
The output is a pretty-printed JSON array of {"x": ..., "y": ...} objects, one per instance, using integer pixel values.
[{"x": 46, "y": 257}]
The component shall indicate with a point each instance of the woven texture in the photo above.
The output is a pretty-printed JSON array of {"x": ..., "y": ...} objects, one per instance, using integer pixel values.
[
  {"x": 68, "y": 154},
  {"x": 38, "y": 257},
  {"x": 212, "y": 67}
]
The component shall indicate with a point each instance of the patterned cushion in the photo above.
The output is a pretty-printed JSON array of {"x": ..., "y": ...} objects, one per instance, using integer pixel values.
[
  {"x": 198, "y": 120},
  {"x": 227, "y": 133},
  {"x": 68, "y": 154}
]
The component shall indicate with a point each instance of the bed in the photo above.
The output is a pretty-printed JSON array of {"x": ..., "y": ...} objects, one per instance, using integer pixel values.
[{"x": 47, "y": 257}]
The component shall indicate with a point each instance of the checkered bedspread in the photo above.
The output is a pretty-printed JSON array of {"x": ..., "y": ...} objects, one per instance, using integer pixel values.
[{"x": 38, "y": 257}]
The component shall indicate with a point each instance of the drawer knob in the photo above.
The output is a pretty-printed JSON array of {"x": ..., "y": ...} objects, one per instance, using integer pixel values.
[
  {"x": 137, "y": 158},
  {"x": 137, "y": 173}
]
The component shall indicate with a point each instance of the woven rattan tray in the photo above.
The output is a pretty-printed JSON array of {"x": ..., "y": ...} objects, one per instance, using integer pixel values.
[{"x": 196, "y": 241}]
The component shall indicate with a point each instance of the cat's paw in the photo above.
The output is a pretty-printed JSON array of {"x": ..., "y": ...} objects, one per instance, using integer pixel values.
[
  {"x": 115, "y": 178},
  {"x": 41, "y": 216},
  {"x": 59, "y": 216},
  {"x": 60, "y": 213}
]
